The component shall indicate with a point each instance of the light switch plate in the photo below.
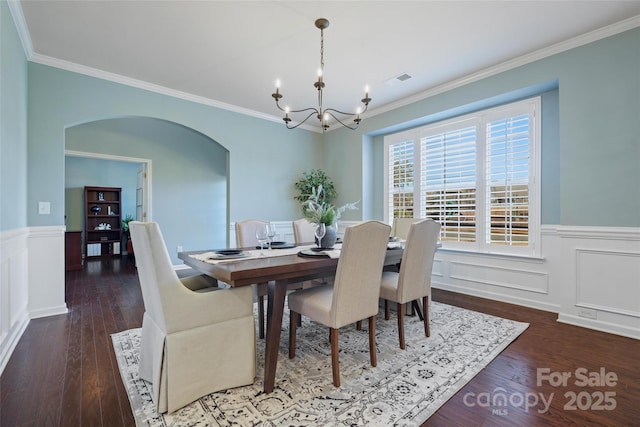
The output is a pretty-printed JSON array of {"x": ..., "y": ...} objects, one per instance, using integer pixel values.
[{"x": 44, "y": 208}]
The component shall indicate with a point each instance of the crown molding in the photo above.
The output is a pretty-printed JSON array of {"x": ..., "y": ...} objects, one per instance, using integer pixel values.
[
  {"x": 581, "y": 40},
  {"x": 21, "y": 27},
  {"x": 601, "y": 33},
  {"x": 140, "y": 84}
]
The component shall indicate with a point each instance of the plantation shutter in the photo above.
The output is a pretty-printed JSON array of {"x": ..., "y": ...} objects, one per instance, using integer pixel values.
[
  {"x": 508, "y": 175},
  {"x": 401, "y": 165},
  {"x": 448, "y": 179}
]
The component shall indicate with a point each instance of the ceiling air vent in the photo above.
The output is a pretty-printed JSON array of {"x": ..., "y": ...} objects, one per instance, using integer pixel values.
[{"x": 399, "y": 78}]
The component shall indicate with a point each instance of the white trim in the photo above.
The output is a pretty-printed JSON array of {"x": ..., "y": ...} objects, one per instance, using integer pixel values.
[
  {"x": 598, "y": 325},
  {"x": 487, "y": 268},
  {"x": 21, "y": 27},
  {"x": 10, "y": 341},
  {"x": 498, "y": 296},
  {"x": 607, "y": 233},
  {"x": 583, "y": 39}
]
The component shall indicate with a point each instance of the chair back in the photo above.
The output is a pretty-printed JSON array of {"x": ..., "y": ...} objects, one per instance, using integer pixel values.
[
  {"x": 303, "y": 231},
  {"x": 246, "y": 233},
  {"x": 401, "y": 227},
  {"x": 356, "y": 289},
  {"x": 158, "y": 279},
  {"x": 414, "y": 279}
]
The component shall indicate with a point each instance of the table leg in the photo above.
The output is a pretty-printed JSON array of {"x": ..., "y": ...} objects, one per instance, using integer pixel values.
[{"x": 275, "y": 308}]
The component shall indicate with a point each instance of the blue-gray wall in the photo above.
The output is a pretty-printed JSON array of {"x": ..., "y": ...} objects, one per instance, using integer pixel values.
[
  {"x": 81, "y": 172},
  {"x": 189, "y": 175},
  {"x": 13, "y": 126},
  {"x": 264, "y": 159},
  {"x": 590, "y": 165},
  {"x": 590, "y": 157}
]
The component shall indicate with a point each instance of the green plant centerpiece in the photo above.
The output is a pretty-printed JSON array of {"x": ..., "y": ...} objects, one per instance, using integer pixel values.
[
  {"x": 310, "y": 182},
  {"x": 318, "y": 211}
]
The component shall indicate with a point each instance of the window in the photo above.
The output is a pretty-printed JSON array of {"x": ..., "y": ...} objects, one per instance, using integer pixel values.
[{"x": 476, "y": 175}]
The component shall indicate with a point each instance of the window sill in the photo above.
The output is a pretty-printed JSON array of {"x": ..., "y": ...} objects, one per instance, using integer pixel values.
[{"x": 494, "y": 255}]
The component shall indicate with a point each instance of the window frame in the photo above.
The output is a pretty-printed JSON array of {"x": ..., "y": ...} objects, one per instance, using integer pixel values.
[{"x": 480, "y": 119}]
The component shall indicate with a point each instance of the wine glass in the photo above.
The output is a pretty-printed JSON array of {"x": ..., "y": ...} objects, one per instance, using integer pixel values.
[
  {"x": 272, "y": 233},
  {"x": 320, "y": 231},
  {"x": 262, "y": 236}
]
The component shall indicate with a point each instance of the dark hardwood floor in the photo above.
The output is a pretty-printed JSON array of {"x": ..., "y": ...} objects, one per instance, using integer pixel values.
[{"x": 63, "y": 371}]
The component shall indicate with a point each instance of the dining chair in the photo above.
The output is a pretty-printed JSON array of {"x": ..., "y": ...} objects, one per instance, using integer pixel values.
[
  {"x": 246, "y": 237},
  {"x": 400, "y": 227},
  {"x": 354, "y": 294},
  {"x": 192, "y": 343},
  {"x": 413, "y": 281},
  {"x": 303, "y": 231}
]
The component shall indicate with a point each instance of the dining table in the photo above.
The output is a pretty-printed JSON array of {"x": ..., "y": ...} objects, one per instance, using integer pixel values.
[{"x": 278, "y": 268}]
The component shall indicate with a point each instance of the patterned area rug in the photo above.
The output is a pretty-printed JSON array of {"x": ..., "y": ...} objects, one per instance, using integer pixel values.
[{"x": 406, "y": 387}]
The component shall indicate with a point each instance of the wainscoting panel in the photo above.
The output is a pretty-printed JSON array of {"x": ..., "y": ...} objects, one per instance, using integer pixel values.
[
  {"x": 502, "y": 276},
  {"x": 13, "y": 290},
  {"x": 590, "y": 276},
  {"x": 608, "y": 281},
  {"x": 46, "y": 271}
]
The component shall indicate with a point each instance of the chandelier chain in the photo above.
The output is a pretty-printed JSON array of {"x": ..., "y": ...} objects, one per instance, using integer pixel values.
[{"x": 323, "y": 115}]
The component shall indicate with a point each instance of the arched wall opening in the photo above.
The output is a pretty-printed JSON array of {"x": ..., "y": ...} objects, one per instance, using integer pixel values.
[{"x": 189, "y": 169}]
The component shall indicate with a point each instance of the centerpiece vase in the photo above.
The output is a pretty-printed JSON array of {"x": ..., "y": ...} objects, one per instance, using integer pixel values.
[{"x": 330, "y": 237}]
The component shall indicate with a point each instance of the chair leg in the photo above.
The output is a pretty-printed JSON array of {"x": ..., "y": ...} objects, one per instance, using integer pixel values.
[
  {"x": 293, "y": 324},
  {"x": 401, "y": 325},
  {"x": 334, "y": 357},
  {"x": 261, "y": 316},
  {"x": 416, "y": 306},
  {"x": 386, "y": 309},
  {"x": 372, "y": 341},
  {"x": 359, "y": 325},
  {"x": 425, "y": 308}
]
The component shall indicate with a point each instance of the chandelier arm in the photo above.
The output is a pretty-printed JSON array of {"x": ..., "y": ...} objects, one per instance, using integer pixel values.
[
  {"x": 315, "y": 110},
  {"x": 321, "y": 113},
  {"x": 354, "y": 127},
  {"x": 299, "y": 123},
  {"x": 344, "y": 113}
]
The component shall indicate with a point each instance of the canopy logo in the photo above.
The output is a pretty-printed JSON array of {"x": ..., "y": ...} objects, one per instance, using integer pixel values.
[{"x": 499, "y": 401}]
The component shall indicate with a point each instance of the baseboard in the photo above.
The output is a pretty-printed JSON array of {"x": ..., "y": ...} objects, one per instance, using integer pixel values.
[
  {"x": 597, "y": 325},
  {"x": 538, "y": 305},
  {"x": 11, "y": 340},
  {"x": 49, "y": 311}
]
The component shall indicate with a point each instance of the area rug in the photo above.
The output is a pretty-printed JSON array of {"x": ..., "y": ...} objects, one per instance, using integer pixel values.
[{"x": 405, "y": 389}]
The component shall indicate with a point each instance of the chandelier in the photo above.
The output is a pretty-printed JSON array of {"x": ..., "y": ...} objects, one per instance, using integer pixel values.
[{"x": 322, "y": 114}]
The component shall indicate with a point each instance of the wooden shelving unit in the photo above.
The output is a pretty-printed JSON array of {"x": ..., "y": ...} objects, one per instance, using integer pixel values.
[{"x": 103, "y": 221}]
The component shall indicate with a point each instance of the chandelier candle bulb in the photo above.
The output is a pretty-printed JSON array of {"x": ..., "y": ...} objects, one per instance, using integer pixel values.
[{"x": 323, "y": 114}]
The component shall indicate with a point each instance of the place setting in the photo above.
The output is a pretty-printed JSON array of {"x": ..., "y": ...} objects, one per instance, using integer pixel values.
[{"x": 319, "y": 251}]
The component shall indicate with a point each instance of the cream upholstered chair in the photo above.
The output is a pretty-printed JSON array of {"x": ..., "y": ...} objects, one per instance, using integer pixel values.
[
  {"x": 400, "y": 227},
  {"x": 246, "y": 232},
  {"x": 193, "y": 343},
  {"x": 353, "y": 296},
  {"x": 303, "y": 231},
  {"x": 246, "y": 237},
  {"x": 414, "y": 279}
]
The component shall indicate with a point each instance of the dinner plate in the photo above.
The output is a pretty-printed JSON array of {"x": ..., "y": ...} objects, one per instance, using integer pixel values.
[
  {"x": 279, "y": 245},
  {"x": 228, "y": 254},
  {"x": 312, "y": 253}
]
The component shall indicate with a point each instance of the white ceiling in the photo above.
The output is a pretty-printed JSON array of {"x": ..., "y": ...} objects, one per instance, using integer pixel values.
[{"x": 230, "y": 53}]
